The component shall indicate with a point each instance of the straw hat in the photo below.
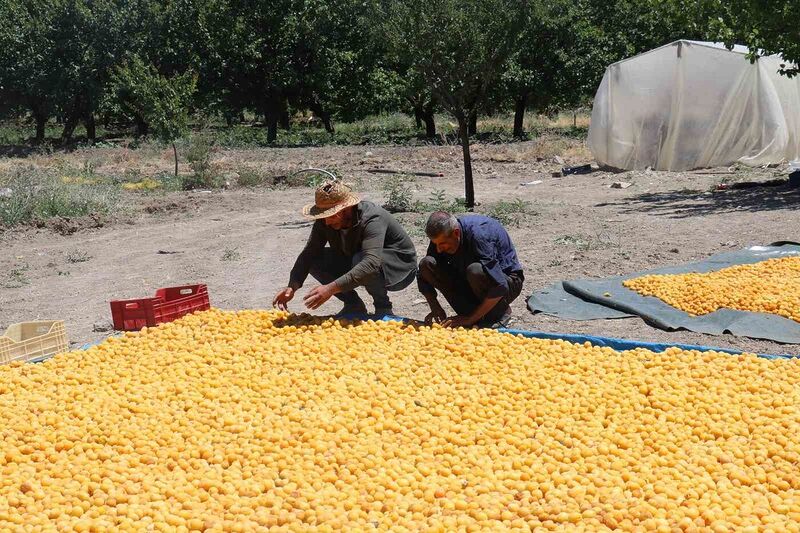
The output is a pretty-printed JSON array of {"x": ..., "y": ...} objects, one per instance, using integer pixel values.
[{"x": 330, "y": 198}]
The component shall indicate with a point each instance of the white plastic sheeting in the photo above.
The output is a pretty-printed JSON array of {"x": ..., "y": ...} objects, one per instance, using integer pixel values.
[{"x": 692, "y": 104}]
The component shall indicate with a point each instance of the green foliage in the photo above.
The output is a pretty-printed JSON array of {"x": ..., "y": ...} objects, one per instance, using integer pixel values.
[
  {"x": 511, "y": 213},
  {"x": 251, "y": 177},
  {"x": 766, "y": 27},
  {"x": 160, "y": 102},
  {"x": 204, "y": 174},
  {"x": 147, "y": 63},
  {"x": 457, "y": 46},
  {"x": 438, "y": 201},
  {"x": 398, "y": 193}
]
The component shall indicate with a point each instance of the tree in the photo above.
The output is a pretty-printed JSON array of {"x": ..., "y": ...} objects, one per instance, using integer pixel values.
[
  {"x": 161, "y": 102},
  {"x": 765, "y": 26},
  {"x": 459, "y": 47},
  {"x": 28, "y": 69},
  {"x": 251, "y": 55},
  {"x": 537, "y": 74}
]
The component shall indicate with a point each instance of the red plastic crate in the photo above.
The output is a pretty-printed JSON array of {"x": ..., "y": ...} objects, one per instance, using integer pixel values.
[{"x": 170, "y": 303}]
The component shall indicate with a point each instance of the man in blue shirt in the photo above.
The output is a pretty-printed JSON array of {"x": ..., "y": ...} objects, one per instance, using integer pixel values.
[{"x": 473, "y": 263}]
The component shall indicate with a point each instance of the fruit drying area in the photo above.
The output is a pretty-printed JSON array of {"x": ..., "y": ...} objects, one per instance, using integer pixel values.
[{"x": 237, "y": 418}]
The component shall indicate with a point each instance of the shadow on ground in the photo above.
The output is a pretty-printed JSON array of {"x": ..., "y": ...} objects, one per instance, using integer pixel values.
[{"x": 684, "y": 204}]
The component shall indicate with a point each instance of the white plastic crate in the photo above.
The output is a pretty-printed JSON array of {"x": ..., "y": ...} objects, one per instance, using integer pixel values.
[{"x": 29, "y": 341}]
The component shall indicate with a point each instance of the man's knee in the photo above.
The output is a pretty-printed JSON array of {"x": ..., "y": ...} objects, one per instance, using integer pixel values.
[
  {"x": 427, "y": 266},
  {"x": 475, "y": 273}
]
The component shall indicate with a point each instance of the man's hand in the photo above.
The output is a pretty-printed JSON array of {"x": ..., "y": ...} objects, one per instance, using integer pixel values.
[
  {"x": 437, "y": 314},
  {"x": 319, "y": 295},
  {"x": 282, "y": 299},
  {"x": 458, "y": 322}
]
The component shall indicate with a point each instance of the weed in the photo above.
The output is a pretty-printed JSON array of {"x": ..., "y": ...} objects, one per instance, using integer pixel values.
[
  {"x": 579, "y": 241},
  {"x": 204, "y": 174},
  {"x": 16, "y": 277},
  {"x": 511, "y": 213},
  {"x": 590, "y": 242},
  {"x": 438, "y": 201},
  {"x": 231, "y": 254},
  {"x": 78, "y": 256},
  {"x": 399, "y": 196}
]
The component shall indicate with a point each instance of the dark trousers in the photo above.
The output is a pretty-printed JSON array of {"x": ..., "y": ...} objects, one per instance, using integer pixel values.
[
  {"x": 332, "y": 265},
  {"x": 465, "y": 292}
]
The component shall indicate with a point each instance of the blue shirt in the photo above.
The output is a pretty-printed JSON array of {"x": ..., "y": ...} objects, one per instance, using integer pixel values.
[{"x": 483, "y": 240}]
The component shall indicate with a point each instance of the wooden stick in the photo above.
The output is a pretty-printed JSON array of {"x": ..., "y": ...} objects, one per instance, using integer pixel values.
[{"x": 387, "y": 171}]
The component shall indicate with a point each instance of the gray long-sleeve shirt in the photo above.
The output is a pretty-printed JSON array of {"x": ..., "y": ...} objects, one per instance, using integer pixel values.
[{"x": 376, "y": 233}]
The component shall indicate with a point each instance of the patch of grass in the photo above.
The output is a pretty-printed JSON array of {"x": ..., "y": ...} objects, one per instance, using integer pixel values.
[
  {"x": 231, "y": 254},
  {"x": 308, "y": 179},
  {"x": 585, "y": 242},
  {"x": 78, "y": 256},
  {"x": 42, "y": 194},
  {"x": 511, "y": 213},
  {"x": 22, "y": 131},
  {"x": 16, "y": 277},
  {"x": 251, "y": 177}
]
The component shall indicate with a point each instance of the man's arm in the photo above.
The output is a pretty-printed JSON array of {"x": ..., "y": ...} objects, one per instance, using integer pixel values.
[
  {"x": 313, "y": 249},
  {"x": 372, "y": 243},
  {"x": 428, "y": 291}
]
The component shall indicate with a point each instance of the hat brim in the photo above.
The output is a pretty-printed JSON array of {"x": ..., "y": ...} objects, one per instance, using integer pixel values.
[{"x": 313, "y": 212}]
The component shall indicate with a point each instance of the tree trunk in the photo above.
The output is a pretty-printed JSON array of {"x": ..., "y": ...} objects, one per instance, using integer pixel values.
[
  {"x": 418, "y": 116},
  {"x": 284, "y": 116},
  {"x": 91, "y": 128},
  {"x": 175, "y": 152},
  {"x": 272, "y": 129},
  {"x": 325, "y": 117},
  {"x": 272, "y": 113},
  {"x": 430, "y": 121},
  {"x": 228, "y": 119},
  {"x": 469, "y": 188},
  {"x": 142, "y": 128},
  {"x": 520, "y": 103},
  {"x": 69, "y": 128},
  {"x": 473, "y": 123},
  {"x": 41, "y": 121},
  {"x": 326, "y": 121}
]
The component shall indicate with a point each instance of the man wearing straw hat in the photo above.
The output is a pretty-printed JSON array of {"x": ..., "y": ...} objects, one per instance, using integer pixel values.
[{"x": 366, "y": 247}]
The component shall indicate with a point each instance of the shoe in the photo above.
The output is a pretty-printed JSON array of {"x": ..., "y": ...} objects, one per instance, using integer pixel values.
[
  {"x": 383, "y": 311},
  {"x": 503, "y": 322},
  {"x": 357, "y": 309}
]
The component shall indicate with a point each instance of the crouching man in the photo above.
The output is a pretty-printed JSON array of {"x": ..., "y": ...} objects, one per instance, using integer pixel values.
[
  {"x": 366, "y": 247},
  {"x": 473, "y": 264}
]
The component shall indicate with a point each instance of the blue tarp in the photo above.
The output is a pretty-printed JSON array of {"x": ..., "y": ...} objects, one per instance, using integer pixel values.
[{"x": 590, "y": 299}]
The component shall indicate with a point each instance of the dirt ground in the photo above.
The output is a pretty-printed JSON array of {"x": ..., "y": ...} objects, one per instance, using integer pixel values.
[{"x": 242, "y": 242}]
